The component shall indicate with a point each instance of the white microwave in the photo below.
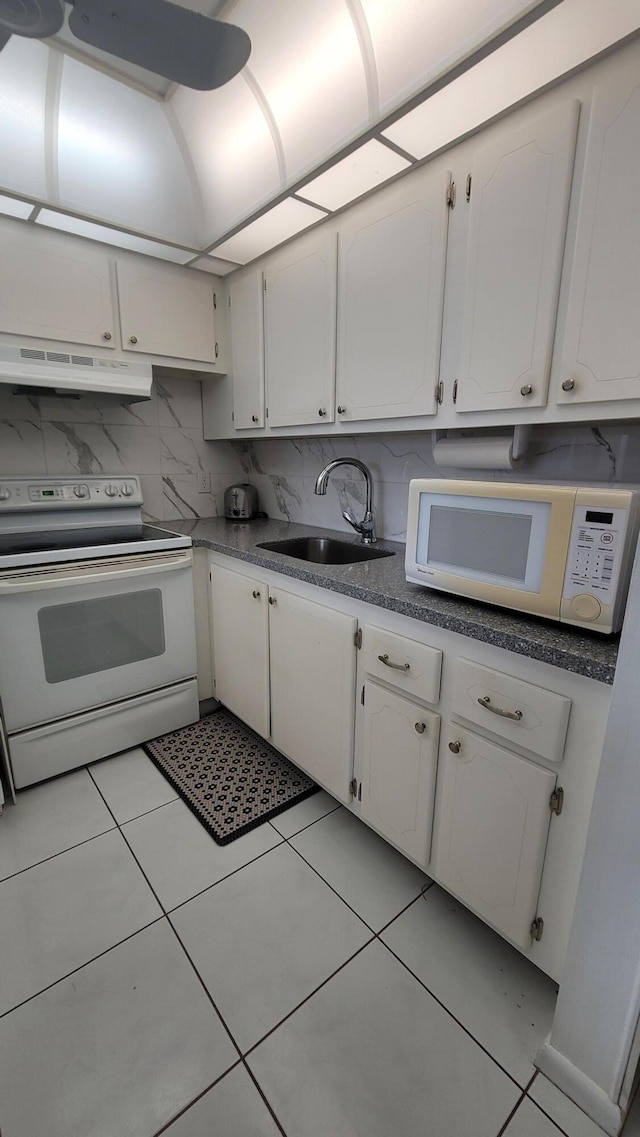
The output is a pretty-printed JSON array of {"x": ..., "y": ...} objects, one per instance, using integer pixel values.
[{"x": 562, "y": 552}]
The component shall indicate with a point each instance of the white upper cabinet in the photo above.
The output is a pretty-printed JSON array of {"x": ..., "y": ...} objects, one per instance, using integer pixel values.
[
  {"x": 390, "y": 294},
  {"x": 167, "y": 311},
  {"x": 599, "y": 356},
  {"x": 520, "y": 184},
  {"x": 246, "y": 327},
  {"x": 300, "y": 332},
  {"x": 54, "y": 289}
]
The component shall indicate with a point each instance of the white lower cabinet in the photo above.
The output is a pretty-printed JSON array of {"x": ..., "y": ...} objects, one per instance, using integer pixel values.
[
  {"x": 313, "y": 678},
  {"x": 287, "y": 667},
  {"x": 493, "y": 815},
  {"x": 477, "y": 807},
  {"x": 240, "y": 641},
  {"x": 399, "y": 761}
]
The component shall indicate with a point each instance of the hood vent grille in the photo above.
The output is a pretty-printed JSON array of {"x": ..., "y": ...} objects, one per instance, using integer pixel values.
[
  {"x": 66, "y": 372},
  {"x": 56, "y": 357}
]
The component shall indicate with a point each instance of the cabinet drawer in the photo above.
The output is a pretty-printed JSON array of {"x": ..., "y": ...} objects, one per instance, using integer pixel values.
[
  {"x": 527, "y": 716},
  {"x": 403, "y": 663}
]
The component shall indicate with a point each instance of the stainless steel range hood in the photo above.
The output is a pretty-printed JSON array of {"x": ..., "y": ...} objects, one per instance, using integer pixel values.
[{"x": 30, "y": 370}]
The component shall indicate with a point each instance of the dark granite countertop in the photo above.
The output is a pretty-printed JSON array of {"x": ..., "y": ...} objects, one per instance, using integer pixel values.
[{"x": 382, "y": 583}]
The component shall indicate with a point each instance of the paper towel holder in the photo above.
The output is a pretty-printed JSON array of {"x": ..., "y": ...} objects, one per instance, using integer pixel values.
[{"x": 517, "y": 450}]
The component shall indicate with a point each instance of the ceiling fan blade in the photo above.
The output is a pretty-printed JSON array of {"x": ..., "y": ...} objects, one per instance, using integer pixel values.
[
  {"x": 169, "y": 40},
  {"x": 33, "y": 18}
]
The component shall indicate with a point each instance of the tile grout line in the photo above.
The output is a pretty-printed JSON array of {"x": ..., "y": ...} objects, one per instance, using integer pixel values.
[
  {"x": 87, "y": 962},
  {"x": 511, "y": 1116},
  {"x": 305, "y": 827},
  {"x": 452, "y": 1016},
  {"x": 186, "y": 1108},
  {"x": 53, "y": 856}
]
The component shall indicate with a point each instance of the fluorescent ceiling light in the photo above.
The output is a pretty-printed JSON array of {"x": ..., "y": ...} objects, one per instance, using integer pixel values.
[
  {"x": 112, "y": 236},
  {"x": 560, "y": 41},
  {"x": 214, "y": 264},
  {"x": 280, "y": 223},
  {"x": 13, "y": 208},
  {"x": 360, "y": 172}
]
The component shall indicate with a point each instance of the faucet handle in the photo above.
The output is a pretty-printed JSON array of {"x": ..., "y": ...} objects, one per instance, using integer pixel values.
[{"x": 352, "y": 521}]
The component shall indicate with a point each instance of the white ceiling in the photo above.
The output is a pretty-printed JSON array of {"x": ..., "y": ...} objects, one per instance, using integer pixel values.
[{"x": 114, "y": 146}]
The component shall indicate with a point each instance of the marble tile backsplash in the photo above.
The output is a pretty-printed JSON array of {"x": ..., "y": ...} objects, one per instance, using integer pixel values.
[
  {"x": 284, "y": 471},
  {"x": 162, "y": 441}
]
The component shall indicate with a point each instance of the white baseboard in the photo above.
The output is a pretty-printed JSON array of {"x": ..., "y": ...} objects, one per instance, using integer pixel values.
[{"x": 590, "y": 1097}]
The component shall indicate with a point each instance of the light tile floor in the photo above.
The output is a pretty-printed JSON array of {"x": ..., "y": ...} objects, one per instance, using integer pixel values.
[{"x": 305, "y": 980}]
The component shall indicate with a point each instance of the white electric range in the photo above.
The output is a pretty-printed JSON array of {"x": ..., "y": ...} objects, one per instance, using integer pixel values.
[{"x": 97, "y": 626}]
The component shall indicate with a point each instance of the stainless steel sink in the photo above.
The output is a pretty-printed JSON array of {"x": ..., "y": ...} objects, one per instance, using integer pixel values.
[{"x": 325, "y": 550}]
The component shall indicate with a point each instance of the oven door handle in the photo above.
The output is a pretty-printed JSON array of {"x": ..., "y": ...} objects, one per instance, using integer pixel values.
[{"x": 64, "y": 577}]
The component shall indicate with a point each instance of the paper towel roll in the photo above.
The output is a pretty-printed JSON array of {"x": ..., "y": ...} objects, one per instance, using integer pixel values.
[{"x": 488, "y": 453}]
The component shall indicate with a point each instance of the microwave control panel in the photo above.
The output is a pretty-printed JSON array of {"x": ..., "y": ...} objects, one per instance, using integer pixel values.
[{"x": 595, "y": 552}]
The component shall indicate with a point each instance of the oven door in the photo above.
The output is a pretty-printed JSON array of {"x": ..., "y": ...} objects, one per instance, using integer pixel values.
[{"x": 78, "y": 636}]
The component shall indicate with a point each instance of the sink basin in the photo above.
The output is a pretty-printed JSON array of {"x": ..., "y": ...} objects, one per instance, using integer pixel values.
[{"x": 325, "y": 550}]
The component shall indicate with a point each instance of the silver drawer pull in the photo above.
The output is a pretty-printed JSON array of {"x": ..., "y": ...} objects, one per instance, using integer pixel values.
[
  {"x": 487, "y": 704},
  {"x": 396, "y": 666},
  {"x": 420, "y": 727}
]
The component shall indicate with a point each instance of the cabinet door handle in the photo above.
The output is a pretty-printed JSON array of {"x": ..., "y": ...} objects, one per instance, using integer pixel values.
[
  {"x": 255, "y": 594},
  {"x": 568, "y": 384},
  {"x": 526, "y": 389},
  {"x": 106, "y": 335},
  {"x": 254, "y": 418},
  {"x": 341, "y": 410},
  {"x": 420, "y": 727},
  {"x": 133, "y": 339},
  {"x": 272, "y": 600},
  {"x": 322, "y": 412},
  {"x": 396, "y": 666},
  {"x": 488, "y": 706},
  {"x": 455, "y": 747}
]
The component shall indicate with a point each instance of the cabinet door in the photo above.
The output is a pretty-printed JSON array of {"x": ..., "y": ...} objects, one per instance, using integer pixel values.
[
  {"x": 54, "y": 288},
  {"x": 600, "y": 349},
  {"x": 391, "y": 283},
  {"x": 313, "y": 673},
  {"x": 399, "y": 770},
  {"x": 492, "y": 822},
  {"x": 240, "y": 634},
  {"x": 247, "y": 350},
  {"x": 300, "y": 333},
  {"x": 520, "y": 183},
  {"x": 167, "y": 311}
]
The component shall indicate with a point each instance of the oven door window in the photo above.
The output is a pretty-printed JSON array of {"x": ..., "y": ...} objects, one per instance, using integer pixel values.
[{"x": 87, "y": 636}]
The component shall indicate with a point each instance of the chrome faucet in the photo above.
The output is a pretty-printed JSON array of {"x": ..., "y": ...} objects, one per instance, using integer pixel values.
[{"x": 366, "y": 528}]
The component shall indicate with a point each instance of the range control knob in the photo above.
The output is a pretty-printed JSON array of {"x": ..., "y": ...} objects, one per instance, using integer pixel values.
[
  {"x": 5, "y": 493},
  {"x": 127, "y": 490},
  {"x": 80, "y": 491},
  {"x": 111, "y": 490}
]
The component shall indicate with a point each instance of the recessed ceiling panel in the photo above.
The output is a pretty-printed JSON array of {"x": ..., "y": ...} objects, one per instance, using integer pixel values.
[
  {"x": 232, "y": 151},
  {"x": 307, "y": 62},
  {"x": 10, "y": 207},
  {"x": 280, "y": 223},
  {"x": 368, "y": 167},
  {"x": 23, "y": 75},
  {"x": 427, "y": 39},
  {"x": 118, "y": 158},
  {"x": 558, "y": 42},
  {"x": 116, "y": 237}
]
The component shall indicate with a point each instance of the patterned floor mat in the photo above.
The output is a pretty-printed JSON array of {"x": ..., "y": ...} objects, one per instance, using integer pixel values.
[{"x": 230, "y": 778}]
